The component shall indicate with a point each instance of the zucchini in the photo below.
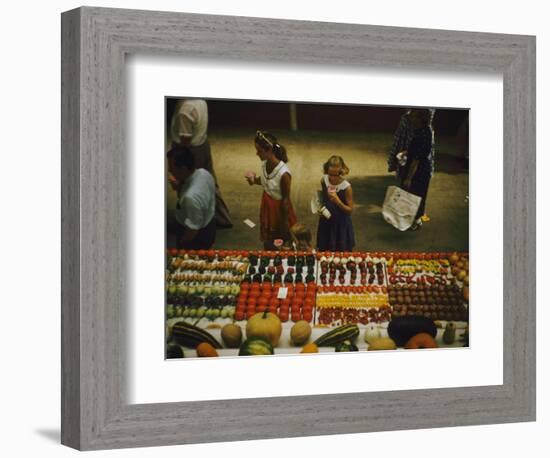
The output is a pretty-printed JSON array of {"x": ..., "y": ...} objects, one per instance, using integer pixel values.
[
  {"x": 338, "y": 335},
  {"x": 190, "y": 336}
]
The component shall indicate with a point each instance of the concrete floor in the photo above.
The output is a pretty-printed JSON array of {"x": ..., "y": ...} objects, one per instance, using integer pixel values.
[{"x": 365, "y": 154}]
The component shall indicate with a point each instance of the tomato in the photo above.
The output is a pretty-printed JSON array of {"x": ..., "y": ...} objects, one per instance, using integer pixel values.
[
  {"x": 283, "y": 317},
  {"x": 254, "y": 293},
  {"x": 263, "y": 301},
  {"x": 239, "y": 315},
  {"x": 272, "y": 310},
  {"x": 285, "y": 303},
  {"x": 297, "y": 303},
  {"x": 296, "y": 317},
  {"x": 251, "y": 301},
  {"x": 308, "y": 316},
  {"x": 300, "y": 287},
  {"x": 261, "y": 308}
]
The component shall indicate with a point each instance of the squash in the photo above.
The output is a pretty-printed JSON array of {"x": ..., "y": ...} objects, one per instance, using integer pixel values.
[
  {"x": 266, "y": 325},
  {"x": 232, "y": 335},
  {"x": 174, "y": 351},
  {"x": 381, "y": 343},
  {"x": 204, "y": 349},
  {"x": 310, "y": 348},
  {"x": 422, "y": 340},
  {"x": 346, "y": 345},
  {"x": 190, "y": 336},
  {"x": 402, "y": 328},
  {"x": 255, "y": 346},
  {"x": 300, "y": 333},
  {"x": 337, "y": 335}
]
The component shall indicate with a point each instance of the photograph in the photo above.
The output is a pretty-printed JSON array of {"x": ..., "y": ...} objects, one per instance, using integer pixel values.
[{"x": 296, "y": 227}]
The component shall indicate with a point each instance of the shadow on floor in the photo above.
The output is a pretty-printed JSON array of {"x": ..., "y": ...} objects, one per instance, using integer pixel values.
[{"x": 53, "y": 435}]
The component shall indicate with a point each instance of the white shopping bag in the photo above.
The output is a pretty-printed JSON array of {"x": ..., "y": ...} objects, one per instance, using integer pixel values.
[{"x": 400, "y": 207}]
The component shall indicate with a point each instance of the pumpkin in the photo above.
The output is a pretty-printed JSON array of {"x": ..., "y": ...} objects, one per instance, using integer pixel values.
[
  {"x": 300, "y": 333},
  {"x": 422, "y": 340},
  {"x": 266, "y": 325}
]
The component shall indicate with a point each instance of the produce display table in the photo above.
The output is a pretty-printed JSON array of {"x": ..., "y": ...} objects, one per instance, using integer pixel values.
[{"x": 211, "y": 289}]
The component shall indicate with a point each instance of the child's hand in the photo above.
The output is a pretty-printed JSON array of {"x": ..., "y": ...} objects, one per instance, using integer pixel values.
[
  {"x": 333, "y": 197},
  {"x": 251, "y": 178}
]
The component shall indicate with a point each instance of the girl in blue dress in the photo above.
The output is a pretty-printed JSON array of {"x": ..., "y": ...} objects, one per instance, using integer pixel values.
[{"x": 336, "y": 232}]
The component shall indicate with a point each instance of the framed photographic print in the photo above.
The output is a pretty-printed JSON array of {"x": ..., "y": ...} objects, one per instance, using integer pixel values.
[{"x": 282, "y": 215}]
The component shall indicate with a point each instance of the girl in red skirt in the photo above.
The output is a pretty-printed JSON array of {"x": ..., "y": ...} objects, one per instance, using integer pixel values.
[{"x": 277, "y": 214}]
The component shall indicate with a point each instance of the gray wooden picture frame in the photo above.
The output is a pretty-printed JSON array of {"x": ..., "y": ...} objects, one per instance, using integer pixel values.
[{"x": 95, "y": 41}]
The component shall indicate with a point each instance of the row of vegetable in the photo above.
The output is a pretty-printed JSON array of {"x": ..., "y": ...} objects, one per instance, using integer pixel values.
[{"x": 263, "y": 333}]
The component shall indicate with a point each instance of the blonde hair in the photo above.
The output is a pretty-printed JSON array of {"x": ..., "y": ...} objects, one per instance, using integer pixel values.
[
  {"x": 336, "y": 161},
  {"x": 302, "y": 236}
]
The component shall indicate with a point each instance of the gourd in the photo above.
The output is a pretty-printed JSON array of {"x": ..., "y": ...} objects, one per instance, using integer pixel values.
[
  {"x": 254, "y": 346},
  {"x": 382, "y": 343},
  {"x": 300, "y": 333},
  {"x": 190, "y": 336},
  {"x": 232, "y": 335},
  {"x": 337, "y": 335},
  {"x": 422, "y": 340},
  {"x": 449, "y": 335},
  {"x": 266, "y": 325},
  {"x": 346, "y": 345},
  {"x": 402, "y": 328},
  {"x": 371, "y": 332},
  {"x": 204, "y": 349}
]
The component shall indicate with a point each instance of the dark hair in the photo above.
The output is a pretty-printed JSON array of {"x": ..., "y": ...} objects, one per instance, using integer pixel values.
[
  {"x": 268, "y": 141},
  {"x": 423, "y": 115},
  {"x": 182, "y": 157}
]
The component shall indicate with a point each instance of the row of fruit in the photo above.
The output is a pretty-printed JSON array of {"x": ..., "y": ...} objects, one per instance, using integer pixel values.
[
  {"x": 357, "y": 300},
  {"x": 337, "y": 316},
  {"x": 351, "y": 271}
]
